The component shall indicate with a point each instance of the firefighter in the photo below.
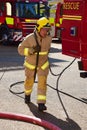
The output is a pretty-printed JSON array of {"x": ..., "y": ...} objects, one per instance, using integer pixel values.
[{"x": 29, "y": 48}]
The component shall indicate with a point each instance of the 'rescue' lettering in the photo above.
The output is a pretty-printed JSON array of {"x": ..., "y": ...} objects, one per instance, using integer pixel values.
[{"x": 71, "y": 5}]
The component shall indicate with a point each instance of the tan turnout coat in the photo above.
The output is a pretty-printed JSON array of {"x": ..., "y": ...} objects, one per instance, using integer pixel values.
[{"x": 30, "y": 42}]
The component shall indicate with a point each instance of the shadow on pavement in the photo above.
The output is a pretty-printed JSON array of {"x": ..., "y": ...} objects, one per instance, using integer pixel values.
[
  {"x": 55, "y": 50},
  {"x": 69, "y": 124}
]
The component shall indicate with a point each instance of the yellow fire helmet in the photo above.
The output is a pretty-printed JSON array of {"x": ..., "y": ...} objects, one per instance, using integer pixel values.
[{"x": 42, "y": 23}]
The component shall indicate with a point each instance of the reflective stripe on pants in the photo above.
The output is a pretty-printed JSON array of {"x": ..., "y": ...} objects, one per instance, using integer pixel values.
[
  {"x": 32, "y": 67},
  {"x": 41, "y": 95},
  {"x": 28, "y": 85}
]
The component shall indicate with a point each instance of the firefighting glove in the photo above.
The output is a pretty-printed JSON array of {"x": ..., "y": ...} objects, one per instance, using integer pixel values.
[
  {"x": 35, "y": 49},
  {"x": 31, "y": 51}
]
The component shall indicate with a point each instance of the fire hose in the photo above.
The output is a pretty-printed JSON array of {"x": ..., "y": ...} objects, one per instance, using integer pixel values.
[{"x": 29, "y": 119}]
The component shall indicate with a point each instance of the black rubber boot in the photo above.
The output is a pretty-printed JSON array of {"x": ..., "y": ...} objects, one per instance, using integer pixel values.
[
  {"x": 42, "y": 107},
  {"x": 27, "y": 99}
]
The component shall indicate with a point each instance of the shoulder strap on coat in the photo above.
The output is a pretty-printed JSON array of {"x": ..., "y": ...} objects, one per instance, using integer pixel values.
[{"x": 37, "y": 58}]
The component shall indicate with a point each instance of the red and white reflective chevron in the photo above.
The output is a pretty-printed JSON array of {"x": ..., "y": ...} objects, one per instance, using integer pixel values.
[{"x": 17, "y": 38}]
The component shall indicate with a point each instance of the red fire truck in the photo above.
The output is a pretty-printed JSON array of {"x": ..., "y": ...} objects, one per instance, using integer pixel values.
[
  {"x": 18, "y": 18},
  {"x": 74, "y": 34}
]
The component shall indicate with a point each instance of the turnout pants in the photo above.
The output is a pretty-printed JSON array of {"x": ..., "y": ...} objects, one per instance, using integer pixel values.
[{"x": 41, "y": 86}]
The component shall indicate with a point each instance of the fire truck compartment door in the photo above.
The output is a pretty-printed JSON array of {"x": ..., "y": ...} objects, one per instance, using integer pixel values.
[{"x": 71, "y": 38}]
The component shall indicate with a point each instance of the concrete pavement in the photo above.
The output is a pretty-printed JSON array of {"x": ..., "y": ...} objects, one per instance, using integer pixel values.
[{"x": 11, "y": 71}]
